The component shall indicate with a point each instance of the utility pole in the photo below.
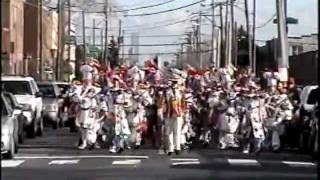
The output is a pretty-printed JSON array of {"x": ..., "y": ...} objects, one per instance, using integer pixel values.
[
  {"x": 286, "y": 14},
  {"x": 254, "y": 56},
  {"x": 283, "y": 62},
  {"x": 226, "y": 31},
  {"x": 199, "y": 40},
  {"x": 57, "y": 68},
  {"x": 84, "y": 34},
  {"x": 120, "y": 30},
  {"x": 106, "y": 53},
  {"x": 102, "y": 47},
  {"x": 235, "y": 40},
  {"x": 213, "y": 45},
  {"x": 181, "y": 57},
  {"x": 233, "y": 37},
  {"x": 69, "y": 35},
  {"x": 119, "y": 38},
  {"x": 222, "y": 48},
  {"x": 123, "y": 46},
  {"x": 249, "y": 34},
  {"x": 94, "y": 33},
  {"x": 40, "y": 41},
  {"x": 213, "y": 59},
  {"x": 62, "y": 41}
]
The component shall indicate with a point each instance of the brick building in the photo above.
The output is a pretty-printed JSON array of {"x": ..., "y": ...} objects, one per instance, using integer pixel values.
[{"x": 12, "y": 35}]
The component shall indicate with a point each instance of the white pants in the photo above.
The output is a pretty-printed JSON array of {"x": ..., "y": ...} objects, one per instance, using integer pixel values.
[
  {"x": 174, "y": 128},
  {"x": 136, "y": 136},
  {"x": 277, "y": 131}
]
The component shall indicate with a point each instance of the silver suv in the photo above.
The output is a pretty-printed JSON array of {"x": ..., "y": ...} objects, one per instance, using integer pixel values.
[{"x": 27, "y": 93}]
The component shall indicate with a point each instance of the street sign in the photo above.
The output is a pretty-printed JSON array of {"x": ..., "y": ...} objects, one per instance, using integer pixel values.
[{"x": 290, "y": 20}]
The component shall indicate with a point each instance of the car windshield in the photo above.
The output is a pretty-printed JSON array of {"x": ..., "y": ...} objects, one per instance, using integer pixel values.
[
  {"x": 47, "y": 90},
  {"x": 17, "y": 87},
  {"x": 313, "y": 96},
  {"x": 63, "y": 88}
]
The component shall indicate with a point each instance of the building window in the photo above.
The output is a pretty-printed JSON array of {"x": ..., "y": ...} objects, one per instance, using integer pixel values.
[
  {"x": 294, "y": 50},
  {"x": 300, "y": 49},
  {"x": 297, "y": 50}
]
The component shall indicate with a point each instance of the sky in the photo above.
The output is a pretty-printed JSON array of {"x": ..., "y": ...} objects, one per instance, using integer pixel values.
[{"x": 305, "y": 11}]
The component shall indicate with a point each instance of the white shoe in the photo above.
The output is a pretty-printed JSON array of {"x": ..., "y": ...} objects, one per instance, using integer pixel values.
[
  {"x": 246, "y": 151},
  {"x": 83, "y": 146},
  {"x": 113, "y": 149}
]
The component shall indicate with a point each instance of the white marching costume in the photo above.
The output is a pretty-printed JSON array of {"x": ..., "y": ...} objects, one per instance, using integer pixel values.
[
  {"x": 86, "y": 118},
  {"x": 122, "y": 130}
]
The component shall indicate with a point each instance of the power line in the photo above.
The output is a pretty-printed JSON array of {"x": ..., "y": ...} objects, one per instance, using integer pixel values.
[
  {"x": 145, "y": 7},
  {"x": 159, "y": 26},
  {"x": 145, "y": 14},
  {"x": 164, "y": 44},
  {"x": 267, "y": 22},
  {"x": 169, "y": 10},
  {"x": 133, "y": 5},
  {"x": 168, "y": 53}
]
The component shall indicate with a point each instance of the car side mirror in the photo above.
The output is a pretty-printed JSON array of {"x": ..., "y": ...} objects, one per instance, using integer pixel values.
[{"x": 39, "y": 94}]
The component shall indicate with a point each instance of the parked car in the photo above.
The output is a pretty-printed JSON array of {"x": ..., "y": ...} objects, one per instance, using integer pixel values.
[
  {"x": 63, "y": 86},
  {"x": 27, "y": 93},
  {"x": 51, "y": 104},
  {"x": 309, "y": 97},
  {"x": 19, "y": 112},
  {"x": 8, "y": 130}
]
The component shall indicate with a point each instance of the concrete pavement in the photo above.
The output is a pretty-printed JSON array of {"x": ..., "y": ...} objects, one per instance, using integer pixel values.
[{"x": 55, "y": 157}]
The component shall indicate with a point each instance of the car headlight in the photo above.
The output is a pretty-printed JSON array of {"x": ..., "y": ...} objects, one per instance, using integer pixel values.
[{"x": 5, "y": 131}]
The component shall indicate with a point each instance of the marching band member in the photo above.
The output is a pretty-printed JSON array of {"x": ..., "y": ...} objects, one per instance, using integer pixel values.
[
  {"x": 174, "y": 111},
  {"x": 86, "y": 116},
  {"x": 122, "y": 130}
]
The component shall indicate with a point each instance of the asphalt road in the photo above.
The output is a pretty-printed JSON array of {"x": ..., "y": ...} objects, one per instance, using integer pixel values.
[{"x": 55, "y": 157}]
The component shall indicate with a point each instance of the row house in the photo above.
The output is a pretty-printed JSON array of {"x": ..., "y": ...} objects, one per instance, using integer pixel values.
[
  {"x": 20, "y": 52},
  {"x": 32, "y": 42},
  {"x": 12, "y": 41}
]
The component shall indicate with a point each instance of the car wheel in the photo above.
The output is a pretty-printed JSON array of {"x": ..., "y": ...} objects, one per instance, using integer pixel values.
[
  {"x": 21, "y": 134},
  {"x": 40, "y": 128},
  {"x": 31, "y": 129},
  {"x": 55, "y": 124},
  {"x": 10, "y": 154},
  {"x": 61, "y": 124},
  {"x": 15, "y": 147}
]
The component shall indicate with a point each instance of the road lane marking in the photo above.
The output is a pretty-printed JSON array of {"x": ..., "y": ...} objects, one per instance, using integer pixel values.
[
  {"x": 185, "y": 163},
  {"x": 127, "y": 162},
  {"x": 81, "y": 157},
  {"x": 244, "y": 162},
  {"x": 11, "y": 163},
  {"x": 184, "y": 159},
  {"x": 60, "y": 162},
  {"x": 298, "y": 164}
]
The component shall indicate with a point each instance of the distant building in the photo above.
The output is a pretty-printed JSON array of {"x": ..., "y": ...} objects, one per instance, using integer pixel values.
[
  {"x": 12, "y": 37},
  {"x": 268, "y": 54},
  {"x": 304, "y": 67},
  {"x": 305, "y": 43},
  {"x": 32, "y": 44}
]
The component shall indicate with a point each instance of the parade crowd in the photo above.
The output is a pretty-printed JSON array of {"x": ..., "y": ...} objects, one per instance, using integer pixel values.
[{"x": 178, "y": 109}]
